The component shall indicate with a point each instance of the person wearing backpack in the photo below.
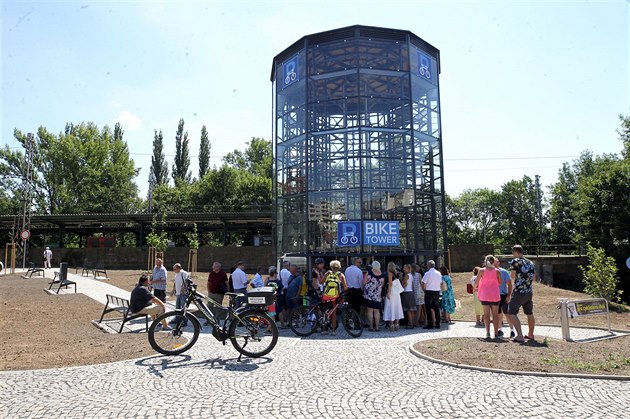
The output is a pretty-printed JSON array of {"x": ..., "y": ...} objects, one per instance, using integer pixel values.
[{"x": 333, "y": 281}]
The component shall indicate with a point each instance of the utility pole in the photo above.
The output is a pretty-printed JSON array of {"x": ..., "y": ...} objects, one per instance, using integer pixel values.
[
  {"x": 540, "y": 212},
  {"x": 27, "y": 180}
]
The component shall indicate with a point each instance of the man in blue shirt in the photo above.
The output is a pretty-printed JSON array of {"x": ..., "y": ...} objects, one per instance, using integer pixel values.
[
  {"x": 505, "y": 289},
  {"x": 293, "y": 288},
  {"x": 158, "y": 280}
]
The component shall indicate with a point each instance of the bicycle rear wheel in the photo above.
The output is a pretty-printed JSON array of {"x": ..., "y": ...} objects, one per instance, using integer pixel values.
[
  {"x": 179, "y": 338},
  {"x": 352, "y": 322},
  {"x": 303, "y": 321},
  {"x": 256, "y": 331}
]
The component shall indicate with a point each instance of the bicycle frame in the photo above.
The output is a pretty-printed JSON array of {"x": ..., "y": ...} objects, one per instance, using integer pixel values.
[{"x": 198, "y": 298}]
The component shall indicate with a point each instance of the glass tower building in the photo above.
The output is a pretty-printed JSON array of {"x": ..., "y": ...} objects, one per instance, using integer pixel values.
[{"x": 358, "y": 146}]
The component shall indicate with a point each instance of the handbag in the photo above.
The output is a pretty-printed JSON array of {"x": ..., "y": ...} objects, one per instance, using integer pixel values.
[
  {"x": 469, "y": 288},
  {"x": 443, "y": 286},
  {"x": 397, "y": 287}
]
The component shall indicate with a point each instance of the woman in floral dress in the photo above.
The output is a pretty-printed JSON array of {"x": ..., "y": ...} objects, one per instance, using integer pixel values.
[{"x": 448, "y": 296}]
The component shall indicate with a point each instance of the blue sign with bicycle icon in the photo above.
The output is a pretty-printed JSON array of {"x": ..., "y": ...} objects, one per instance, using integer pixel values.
[
  {"x": 369, "y": 233},
  {"x": 290, "y": 70},
  {"x": 424, "y": 65},
  {"x": 348, "y": 233}
]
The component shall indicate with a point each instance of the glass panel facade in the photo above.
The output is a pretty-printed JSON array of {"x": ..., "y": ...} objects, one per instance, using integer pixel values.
[{"x": 357, "y": 131}]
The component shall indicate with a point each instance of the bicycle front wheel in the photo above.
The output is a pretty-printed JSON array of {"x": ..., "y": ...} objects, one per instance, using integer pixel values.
[
  {"x": 352, "y": 322},
  {"x": 182, "y": 334},
  {"x": 253, "y": 334},
  {"x": 303, "y": 321}
]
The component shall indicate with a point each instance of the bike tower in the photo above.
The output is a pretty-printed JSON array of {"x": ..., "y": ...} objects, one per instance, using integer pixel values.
[{"x": 358, "y": 147}]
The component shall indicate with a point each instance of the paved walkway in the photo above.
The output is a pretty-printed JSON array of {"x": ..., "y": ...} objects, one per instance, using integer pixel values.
[{"x": 333, "y": 377}]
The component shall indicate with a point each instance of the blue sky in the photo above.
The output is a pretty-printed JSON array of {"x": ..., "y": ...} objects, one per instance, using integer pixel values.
[{"x": 524, "y": 85}]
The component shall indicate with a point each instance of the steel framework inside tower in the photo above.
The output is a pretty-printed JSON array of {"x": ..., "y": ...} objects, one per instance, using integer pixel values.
[{"x": 357, "y": 137}]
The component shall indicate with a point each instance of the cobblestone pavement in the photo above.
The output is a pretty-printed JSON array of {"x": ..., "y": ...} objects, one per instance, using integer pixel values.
[{"x": 325, "y": 376}]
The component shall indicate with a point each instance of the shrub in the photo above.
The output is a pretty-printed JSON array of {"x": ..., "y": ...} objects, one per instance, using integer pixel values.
[{"x": 600, "y": 275}]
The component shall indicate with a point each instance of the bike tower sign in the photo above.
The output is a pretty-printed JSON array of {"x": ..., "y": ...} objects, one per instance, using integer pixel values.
[{"x": 368, "y": 233}]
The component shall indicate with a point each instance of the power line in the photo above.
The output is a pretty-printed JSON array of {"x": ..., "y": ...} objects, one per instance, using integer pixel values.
[
  {"x": 501, "y": 168},
  {"x": 511, "y": 158}
]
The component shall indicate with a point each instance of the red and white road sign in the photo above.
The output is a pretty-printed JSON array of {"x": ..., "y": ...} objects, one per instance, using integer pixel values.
[{"x": 25, "y": 234}]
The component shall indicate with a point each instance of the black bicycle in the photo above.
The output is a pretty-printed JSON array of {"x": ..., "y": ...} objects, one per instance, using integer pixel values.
[
  {"x": 306, "y": 318},
  {"x": 246, "y": 324}
]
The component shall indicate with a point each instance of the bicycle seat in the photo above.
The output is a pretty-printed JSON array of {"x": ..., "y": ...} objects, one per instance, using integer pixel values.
[{"x": 235, "y": 294}]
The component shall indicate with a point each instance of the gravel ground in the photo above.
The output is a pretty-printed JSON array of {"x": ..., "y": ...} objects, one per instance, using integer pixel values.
[
  {"x": 610, "y": 356},
  {"x": 50, "y": 331}
]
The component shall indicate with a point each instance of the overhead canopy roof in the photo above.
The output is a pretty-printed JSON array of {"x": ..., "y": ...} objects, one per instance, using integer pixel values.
[{"x": 258, "y": 219}]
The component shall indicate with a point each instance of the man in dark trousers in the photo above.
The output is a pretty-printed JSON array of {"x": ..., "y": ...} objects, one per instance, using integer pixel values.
[
  {"x": 217, "y": 287},
  {"x": 431, "y": 283}
]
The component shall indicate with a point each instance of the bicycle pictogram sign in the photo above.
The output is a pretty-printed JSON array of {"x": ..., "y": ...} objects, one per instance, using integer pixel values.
[
  {"x": 424, "y": 65},
  {"x": 290, "y": 69}
]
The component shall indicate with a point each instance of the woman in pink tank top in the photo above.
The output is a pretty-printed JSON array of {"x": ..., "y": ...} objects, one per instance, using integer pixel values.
[{"x": 487, "y": 287}]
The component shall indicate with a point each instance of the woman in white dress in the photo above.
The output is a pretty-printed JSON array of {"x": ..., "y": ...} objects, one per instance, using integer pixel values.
[{"x": 393, "y": 311}]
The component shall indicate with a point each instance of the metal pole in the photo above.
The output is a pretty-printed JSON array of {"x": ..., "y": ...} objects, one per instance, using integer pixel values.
[
  {"x": 608, "y": 314},
  {"x": 564, "y": 320}
]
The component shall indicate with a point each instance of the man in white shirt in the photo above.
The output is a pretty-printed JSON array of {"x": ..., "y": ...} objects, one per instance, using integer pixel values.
[
  {"x": 47, "y": 257},
  {"x": 431, "y": 283},
  {"x": 354, "y": 280},
  {"x": 239, "y": 278},
  {"x": 179, "y": 290}
]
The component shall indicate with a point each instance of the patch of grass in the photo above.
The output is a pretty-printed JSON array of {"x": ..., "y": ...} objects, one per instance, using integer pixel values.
[
  {"x": 551, "y": 360},
  {"x": 580, "y": 365},
  {"x": 545, "y": 342},
  {"x": 619, "y": 308},
  {"x": 449, "y": 347}
]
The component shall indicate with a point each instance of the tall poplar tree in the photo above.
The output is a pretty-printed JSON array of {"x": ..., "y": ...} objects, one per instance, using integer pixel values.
[
  {"x": 182, "y": 157},
  {"x": 159, "y": 167},
  {"x": 204, "y": 153}
]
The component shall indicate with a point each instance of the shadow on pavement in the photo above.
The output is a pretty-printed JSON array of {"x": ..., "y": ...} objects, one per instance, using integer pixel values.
[{"x": 159, "y": 363}]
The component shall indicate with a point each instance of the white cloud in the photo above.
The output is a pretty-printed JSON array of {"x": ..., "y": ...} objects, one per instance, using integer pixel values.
[{"x": 129, "y": 121}]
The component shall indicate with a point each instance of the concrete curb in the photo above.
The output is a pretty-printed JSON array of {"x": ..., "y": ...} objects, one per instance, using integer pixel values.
[
  {"x": 420, "y": 355},
  {"x": 605, "y": 329}
]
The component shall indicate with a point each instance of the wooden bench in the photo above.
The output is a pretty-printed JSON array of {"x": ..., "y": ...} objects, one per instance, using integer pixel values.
[
  {"x": 62, "y": 283},
  {"x": 121, "y": 305},
  {"x": 32, "y": 270}
]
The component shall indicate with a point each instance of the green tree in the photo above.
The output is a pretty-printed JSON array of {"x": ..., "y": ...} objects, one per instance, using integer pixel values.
[
  {"x": 167, "y": 199},
  {"x": 159, "y": 167},
  {"x": 158, "y": 238},
  {"x": 562, "y": 209},
  {"x": 217, "y": 191},
  {"x": 602, "y": 205},
  {"x": 600, "y": 275},
  {"x": 624, "y": 135},
  {"x": 472, "y": 217},
  {"x": 519, "y": 218},
  {"x": 181, "y": 163},
  {"x": 257, "y": 158},
  {"x": 204, "y": 153},
  {"x": 82, "y": 170}
]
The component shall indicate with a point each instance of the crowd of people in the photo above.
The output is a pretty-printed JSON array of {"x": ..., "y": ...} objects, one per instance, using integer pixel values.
[{"x": 407, "y": 295}]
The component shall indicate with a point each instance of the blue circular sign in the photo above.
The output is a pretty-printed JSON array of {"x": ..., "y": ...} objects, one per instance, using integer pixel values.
[{"x": 628, "y": 263}]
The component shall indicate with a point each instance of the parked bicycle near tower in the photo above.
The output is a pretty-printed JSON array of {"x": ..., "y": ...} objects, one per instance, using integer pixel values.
[
  {"x": 304, "y": 320},
  {"x": 252, "y": 332}
]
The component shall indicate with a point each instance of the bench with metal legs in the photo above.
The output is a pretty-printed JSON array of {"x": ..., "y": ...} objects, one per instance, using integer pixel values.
[{"x": 121, "y": 305}]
